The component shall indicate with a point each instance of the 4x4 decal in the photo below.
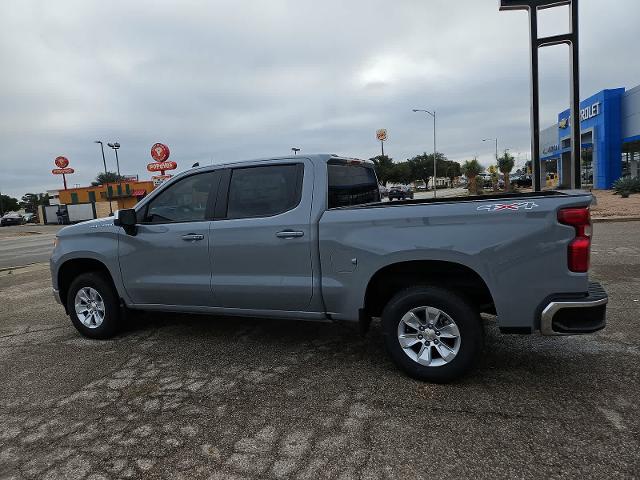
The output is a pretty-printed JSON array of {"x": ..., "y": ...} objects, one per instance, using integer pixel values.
[{"x": 515, "y": 206}]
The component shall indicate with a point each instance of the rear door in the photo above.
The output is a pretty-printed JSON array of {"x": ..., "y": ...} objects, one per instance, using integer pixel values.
[
  {"x": 261, "y": 248},
  {"x": 167, "y": 261}
]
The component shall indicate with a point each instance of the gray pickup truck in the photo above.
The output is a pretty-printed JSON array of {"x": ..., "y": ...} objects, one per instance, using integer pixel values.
[{"x": 307, "y": 237}]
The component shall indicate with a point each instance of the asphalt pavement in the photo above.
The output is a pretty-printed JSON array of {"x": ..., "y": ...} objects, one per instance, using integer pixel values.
[
  {"x": 196, "y": 397},
  {"x": 22, "y": 245}
]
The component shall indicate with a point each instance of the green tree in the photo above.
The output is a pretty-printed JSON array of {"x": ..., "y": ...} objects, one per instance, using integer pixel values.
[
  {"x": 505, "y": 165},
  {"x": 31, "y": 201},
  {"x": 8, "y": 204},
  {"x": 384, "y": 168},
  {"x": 107, "y": 177},
  {"x": 471, "y": 169},
  {"x": 402, "y": 173},
  {"x": 422, "y": 166}
]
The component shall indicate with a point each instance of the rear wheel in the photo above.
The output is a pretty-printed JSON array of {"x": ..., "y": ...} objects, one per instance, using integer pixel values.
[
  {"x": 432, "y": 333},
  {"x": 93, "y": 306}
]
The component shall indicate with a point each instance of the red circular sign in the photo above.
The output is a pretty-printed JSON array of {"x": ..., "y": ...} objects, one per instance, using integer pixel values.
[
  {"x": 62, "y": 162},
  {"x": 161, "y": 166},
  {"x": 160, "y": 152}
]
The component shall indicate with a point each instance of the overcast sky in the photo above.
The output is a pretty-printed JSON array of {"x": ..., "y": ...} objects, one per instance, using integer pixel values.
[{"x": 229, "y": 80}]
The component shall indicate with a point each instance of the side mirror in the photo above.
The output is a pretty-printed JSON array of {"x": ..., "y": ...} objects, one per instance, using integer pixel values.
[{"x": 126, "y": 219}]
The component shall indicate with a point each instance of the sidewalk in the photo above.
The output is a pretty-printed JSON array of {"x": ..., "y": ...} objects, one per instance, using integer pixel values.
[{"x": 28, "y": 229}]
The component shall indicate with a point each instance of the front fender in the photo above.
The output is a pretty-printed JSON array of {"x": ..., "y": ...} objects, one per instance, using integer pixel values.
[{"x": 100, "y": 246}]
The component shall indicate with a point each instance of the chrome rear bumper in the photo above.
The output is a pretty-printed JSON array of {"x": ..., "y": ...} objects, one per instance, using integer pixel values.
[{"x": 576, "y": 316}]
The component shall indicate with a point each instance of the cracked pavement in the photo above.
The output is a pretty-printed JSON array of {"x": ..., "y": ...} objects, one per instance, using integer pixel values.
[{"x": 194, "y": 397}]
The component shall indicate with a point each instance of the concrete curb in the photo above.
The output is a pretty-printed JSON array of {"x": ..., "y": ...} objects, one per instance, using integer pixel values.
[{"x": 615, "y": 219}]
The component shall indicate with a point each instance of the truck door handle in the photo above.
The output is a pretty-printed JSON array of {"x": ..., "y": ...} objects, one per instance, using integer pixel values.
[
  {"x": 192, "y": 237},
  {"x": 289, "y": 234}
]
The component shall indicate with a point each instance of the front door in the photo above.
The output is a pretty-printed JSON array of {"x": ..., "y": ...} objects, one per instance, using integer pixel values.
[
  {"x": 261, "y": 247},
  {"x": 167, "y": 261}
]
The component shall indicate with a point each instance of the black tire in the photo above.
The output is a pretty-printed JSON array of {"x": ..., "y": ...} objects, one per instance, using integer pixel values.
[
  {"x": 466, "y": 317},
  {"x": 111, "y": 322}
]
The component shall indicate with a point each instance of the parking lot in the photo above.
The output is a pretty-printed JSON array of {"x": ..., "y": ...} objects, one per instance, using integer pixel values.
[{"x": 195, "y": 397}]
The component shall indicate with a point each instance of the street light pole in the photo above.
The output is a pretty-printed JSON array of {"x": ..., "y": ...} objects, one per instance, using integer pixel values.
[
  {"x": 433, "y": 114},
  {"x": 117, "y": 162},
  {"x": 104, "y": 161},
  {"x": 295, "y": 150},
  {"x": 115, "y": 147},
  {"x": 496, "y": 140}
]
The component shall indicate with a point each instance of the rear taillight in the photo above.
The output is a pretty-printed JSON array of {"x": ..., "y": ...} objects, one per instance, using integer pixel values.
[{"x": 580, "y": 247}]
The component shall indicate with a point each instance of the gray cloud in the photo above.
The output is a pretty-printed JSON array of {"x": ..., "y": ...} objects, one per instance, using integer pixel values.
[{"x": 227, "y": 80}]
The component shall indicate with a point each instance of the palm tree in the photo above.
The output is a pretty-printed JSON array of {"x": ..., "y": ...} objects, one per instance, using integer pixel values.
[
  {"x": 505, "y": 165},
  {"x": 471, "y": 169},
  {"x": 493, "y": 171}
]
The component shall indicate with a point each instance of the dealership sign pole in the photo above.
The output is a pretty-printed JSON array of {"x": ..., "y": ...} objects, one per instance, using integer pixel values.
[
  {"x": 570, "y": 39},
  {"x": 62, "y": 163}
]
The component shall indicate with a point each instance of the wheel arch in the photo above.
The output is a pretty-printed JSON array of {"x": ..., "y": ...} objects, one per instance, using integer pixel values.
[
  {"x": 391, "y": 278},
  {"x": 71, "y": 268}
]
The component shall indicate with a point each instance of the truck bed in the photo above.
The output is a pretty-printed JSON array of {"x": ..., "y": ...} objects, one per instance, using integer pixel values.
[{"x": 471, "y": 198}]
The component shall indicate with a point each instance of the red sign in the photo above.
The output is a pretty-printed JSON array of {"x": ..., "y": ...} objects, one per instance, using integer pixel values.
[
  {"x": 160, "y": 152},
  {"x": 62, "y": 162},
  {"x": 62, "y": 171},
  {"x": 161, "y": 166}
]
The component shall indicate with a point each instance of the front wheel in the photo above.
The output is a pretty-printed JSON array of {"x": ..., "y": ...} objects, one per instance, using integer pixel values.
[
  {"x": 93, "y": 306},
  {"x": 432, "y": 334}
]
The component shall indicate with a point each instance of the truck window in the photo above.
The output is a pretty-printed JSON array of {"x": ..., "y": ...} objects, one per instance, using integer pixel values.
[
  {"x": 351, "y": 184},
  {"x": 184, "y": 201},
  {"x": 264, "y": 191}
]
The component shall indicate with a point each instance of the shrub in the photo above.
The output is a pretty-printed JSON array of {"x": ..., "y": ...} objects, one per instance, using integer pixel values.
[{"x": 630, "y": 185}]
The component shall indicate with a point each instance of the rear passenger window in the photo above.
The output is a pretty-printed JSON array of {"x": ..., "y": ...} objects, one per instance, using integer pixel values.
[
  {"x": 351, "y": 184},
  {"x": 264, "y": 191}
]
